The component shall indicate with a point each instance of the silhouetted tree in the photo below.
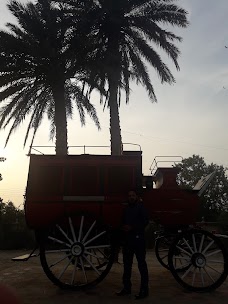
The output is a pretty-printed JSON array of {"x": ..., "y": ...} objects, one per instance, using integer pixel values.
[
  {"x": 39, "y": 72},
  {"x": 215, "y": 197},
  {"x": 124, "y": 34}
]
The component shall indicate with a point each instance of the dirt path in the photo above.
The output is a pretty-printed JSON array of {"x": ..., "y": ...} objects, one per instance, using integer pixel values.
[{"x": 34, "y": 287}]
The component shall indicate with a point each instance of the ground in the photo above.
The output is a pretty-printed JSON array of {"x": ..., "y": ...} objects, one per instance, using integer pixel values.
[{"x": 32, "y": 285}]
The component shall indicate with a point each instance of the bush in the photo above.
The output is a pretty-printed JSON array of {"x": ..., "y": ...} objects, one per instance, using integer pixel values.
[{"x": 14, "y": 233}]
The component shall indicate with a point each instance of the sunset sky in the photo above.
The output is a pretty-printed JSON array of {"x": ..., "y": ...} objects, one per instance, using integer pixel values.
[{"x": 191, "y": 116}]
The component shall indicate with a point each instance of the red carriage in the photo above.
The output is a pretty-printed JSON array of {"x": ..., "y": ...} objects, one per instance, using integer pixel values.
[{"x": 74, "y": 204}]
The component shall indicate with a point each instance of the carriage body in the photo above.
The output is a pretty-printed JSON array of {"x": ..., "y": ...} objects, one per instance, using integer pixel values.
[{"x": 98, "y": 184}]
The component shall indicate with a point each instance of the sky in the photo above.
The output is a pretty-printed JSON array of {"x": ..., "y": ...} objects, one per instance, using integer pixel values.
[{"x": 190, "y": 117}]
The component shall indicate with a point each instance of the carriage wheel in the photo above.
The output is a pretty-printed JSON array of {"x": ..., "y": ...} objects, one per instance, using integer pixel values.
[
  {"x": 205, "y": 258},
  {"x": 162, "y": 245},
  {"x": 77, "y": 253}
]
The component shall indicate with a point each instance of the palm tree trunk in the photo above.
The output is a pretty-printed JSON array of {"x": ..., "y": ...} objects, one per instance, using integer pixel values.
[
  {"x": 61, "y": 147},
  {"x": 115, "y": 131}
]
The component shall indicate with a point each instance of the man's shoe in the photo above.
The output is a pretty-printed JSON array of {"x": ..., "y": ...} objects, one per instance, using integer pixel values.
[
  {"x": 142, "y": 294},
  {"x": 123, "y": 292}
]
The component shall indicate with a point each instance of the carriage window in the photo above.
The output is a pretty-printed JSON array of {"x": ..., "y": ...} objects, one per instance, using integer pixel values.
[{"x": 46, "y": 180}]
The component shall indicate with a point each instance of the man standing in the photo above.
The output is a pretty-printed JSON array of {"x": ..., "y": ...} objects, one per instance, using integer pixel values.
[{"x": 135, "y": 219}]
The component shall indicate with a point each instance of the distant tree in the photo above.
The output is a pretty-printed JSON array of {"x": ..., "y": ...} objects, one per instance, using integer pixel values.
[{"x": 215, "y": 198}]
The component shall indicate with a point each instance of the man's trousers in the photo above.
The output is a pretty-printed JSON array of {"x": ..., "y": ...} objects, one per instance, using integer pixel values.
[{"x": 135, "y": 246}]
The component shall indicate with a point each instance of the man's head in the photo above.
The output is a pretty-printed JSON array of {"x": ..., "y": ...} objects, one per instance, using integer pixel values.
[{"x": 132, "y": 197}]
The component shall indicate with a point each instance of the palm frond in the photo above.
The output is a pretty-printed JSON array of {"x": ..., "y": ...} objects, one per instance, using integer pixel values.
[
  {"x": 151, "y": 56},
  {"x": 168, "y": 13},
  {"x": 83, "y": 104},
  {"x": 141, "y": 73}
]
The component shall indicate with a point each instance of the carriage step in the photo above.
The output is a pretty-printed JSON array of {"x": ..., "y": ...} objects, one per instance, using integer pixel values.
[{"x": 25, "y": 257}]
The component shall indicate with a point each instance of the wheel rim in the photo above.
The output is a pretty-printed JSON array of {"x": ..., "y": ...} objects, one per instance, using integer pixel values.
[
  {"x": 201, "y": 257},
  {"x": 77, "y": 253}
]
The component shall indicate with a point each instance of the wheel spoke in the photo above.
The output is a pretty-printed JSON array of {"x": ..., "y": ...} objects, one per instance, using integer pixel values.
[
  {"x": 72, "y": 230},
  {"x": 213, "y": 269},
  {"x": 80, "y": 230},
  {"x": 194, "y": 242},
  {"x": 181, "y": 258},
  {"x": 194, "y": 276},
  {"x": 58, "y": 250},
  {"x": 216, "y": 261},
  {"x": 188, "y": 245},
  {"x": 182, "y": 266},
  {"x": 63, "y": 233},
  {"x": 202, "y": 277},
  {"x": 187, "y": 271},
  {"x": 208, "y": 246},
  {"x": 93, "y": 255},
  {"x": 214, "y": 252},
  {"x": 60, "y": 260},
  {"x": 91, "y": 264},
  {"x": 94, "y": 238},
  {"x": 83, "y": 270},
  {"x": 201, "y": 243},
  {"x": 88, "y": 232},
  {"x": 101, "y": 252},
  {"x": 74, "y": 271},
  {"x": 98, "y": 246},
  {"x": 165, "y": 256},
  {"x": 186, "y": 252},
  {"x": 209, "y": 275},
  {"x": 65, "y": 268},
  {"x": 97, "y": 257},
  {"x": 58, "y": 241}
]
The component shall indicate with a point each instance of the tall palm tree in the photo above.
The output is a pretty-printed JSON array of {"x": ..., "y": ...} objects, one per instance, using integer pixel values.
[
  {"x": 124, "y": 34},
  {"x": 39, "y": 73}
]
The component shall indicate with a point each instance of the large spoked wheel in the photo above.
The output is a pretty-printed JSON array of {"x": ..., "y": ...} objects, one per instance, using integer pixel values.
[
  {"x": 204, "y": 257},
  {"x": 77, "y": 252}
]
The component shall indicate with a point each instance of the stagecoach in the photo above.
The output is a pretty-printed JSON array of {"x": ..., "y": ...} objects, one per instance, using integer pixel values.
[{"x": 74, "y": 205}]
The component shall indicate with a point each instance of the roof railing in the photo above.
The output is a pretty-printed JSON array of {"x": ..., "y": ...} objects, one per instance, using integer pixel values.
[
  {"x": 83, "y": 147},
  {"x": 164, "y": 161}
]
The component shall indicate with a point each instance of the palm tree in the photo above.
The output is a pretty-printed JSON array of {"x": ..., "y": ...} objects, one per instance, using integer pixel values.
[
  {"x": 124, "y": 34},
  {"x": 39, "y": 73}
]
